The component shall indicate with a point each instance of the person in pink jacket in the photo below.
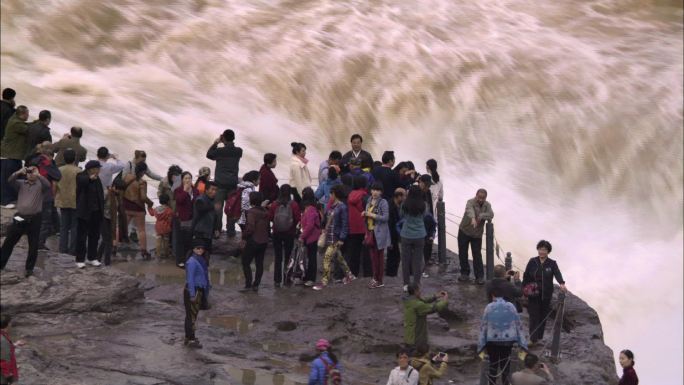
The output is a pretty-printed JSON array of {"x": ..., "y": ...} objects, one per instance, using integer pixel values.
[{"x": 311, "y": 231}]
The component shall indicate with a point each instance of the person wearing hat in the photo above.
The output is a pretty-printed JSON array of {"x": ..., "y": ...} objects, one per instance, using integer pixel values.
[
  {"x": 325, "y": 366},
  {"x": 196, "y": 289},
  {"x": 203, "y": 178},
  {"x": 89, "y": 213}
]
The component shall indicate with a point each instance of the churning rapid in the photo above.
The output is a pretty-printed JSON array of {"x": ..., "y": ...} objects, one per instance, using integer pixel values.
[{"x": 569, "y": 113}]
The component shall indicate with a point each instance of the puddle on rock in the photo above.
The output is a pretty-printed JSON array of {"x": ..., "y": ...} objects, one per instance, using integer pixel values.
[
  {"x": 257, "y": 377},
  {"x": 230, "y": 322}
]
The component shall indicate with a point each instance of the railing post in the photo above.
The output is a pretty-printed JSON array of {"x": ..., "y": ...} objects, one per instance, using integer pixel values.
[
  {"x": 484, "y": 371},
  {"x": 490, "y": 249},
  {"x": 508, "y": 261},
  {"x": 441, "y": 233},
  {"x": 557, "y": 326}
]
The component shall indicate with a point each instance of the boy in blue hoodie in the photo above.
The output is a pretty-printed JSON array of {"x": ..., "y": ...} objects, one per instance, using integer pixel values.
[{"x": 196, "y": 289}]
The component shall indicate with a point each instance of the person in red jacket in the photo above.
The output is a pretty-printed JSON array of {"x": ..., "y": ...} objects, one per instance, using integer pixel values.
[
  {"x": 8, "y": 360},
  {"x": 629, "y": 376},
  {"x": 164, "y": 216},
  {"x": 356, "y": 204},
  {"x": 268, "y": 183},
  {"x": 185, "y": 196},
  {"x": 285, "y": 214},
  {"x": 311, "y": 231}
]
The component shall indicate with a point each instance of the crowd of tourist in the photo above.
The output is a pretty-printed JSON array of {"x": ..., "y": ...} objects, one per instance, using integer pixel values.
[{"x": 365, "y": 218}]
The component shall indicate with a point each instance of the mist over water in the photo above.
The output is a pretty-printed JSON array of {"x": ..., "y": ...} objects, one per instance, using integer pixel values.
[{"x": 569, "y": 113}]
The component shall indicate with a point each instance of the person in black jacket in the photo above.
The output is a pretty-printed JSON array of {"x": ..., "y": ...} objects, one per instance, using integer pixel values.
[
  {"x": 540, "y": 272},
  {"x": 89, "y": 211},
  {"x": 39, "y": 132},
  {"x": 204, "y": 215},
  {"x": 393, "y": 254},
  {"x": 510, "y": 287},
  {"x": 385, "y": 175},
  {"x": 358, "y": 153},
  {"x": 225, "y": 175},
  {"x": 6, "y": 108}
]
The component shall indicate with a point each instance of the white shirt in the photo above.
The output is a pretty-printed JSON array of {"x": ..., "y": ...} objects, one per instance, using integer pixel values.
[
  {"x": 108, "y": 170},
  {"x": 409, "y": 376}
]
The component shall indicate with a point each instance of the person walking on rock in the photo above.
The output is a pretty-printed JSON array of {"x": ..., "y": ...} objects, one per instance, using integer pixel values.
[
  {"x": 285, "y": 215},
  {"x": 403, "y": 374},
  {"x": 12, "y": 151},
  {"x": 477, "y": 212},
  {"x": 416, "y": 310},
  {"x": 89, "y": 211},
  {"x": 196, "y": 290},
  {"x": 226, "y": 172},
  {"x": 300, "y": 178},
  {"x": 326, "y": 366},
  {"x": 538, "y": 288},
  {"x": 255, "y": 239},
  {"x": 500, "y": 329},
  {"x": 378, "y": 237},
  {"x": 28, "y": 216}
]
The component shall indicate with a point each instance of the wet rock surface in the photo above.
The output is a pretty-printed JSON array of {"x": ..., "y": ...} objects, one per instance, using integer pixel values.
[{"x": 124, "y": 325}]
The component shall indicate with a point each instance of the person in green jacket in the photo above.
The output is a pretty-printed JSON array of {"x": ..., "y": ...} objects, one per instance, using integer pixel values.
[
  {"x": 12, "y": 151},
  {"x": 416, "y": 310}
]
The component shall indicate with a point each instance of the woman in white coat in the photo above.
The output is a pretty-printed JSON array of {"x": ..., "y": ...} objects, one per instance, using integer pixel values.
[{"x": 300, "y": 178}]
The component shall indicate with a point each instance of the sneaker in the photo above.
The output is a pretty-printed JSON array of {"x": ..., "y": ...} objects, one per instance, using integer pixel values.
[
  {"x": 309, "y": 283},
  {"x": 95, "y": 263},
  {"x": 348, "y": 279},
  {"x": 480, "y": 281},
  {"x": 379, "y": 285},
  {"x": 80, "y": 265},
  {"x": 372, "y": 284},
  {"x": 181, "y": 265},
  {"x": 425, "y": 275},
  {"x": 9, "y": 206},
  {"x": 194, "y": 344},
  {"x": 405, "y": 288},
  {"x": 320, "y": 287},
  {"x": 463, "y": 278}
]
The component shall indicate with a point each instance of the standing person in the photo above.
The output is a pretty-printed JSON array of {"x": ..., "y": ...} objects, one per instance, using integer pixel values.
[
  {"x": 413, "y": 233},
  {"x": 164, "y": 215},
  {"x": 65, "y": 200},
  {"x": 255, "y": 238},
  {"x": 404, "y": 374},
  {"x": 299, "y": 171},
  {"x": 12, "y": 151},
  {"x": 629, "y": 376},
  {"x": 47, "y": 168},
  {"x": 196, "y": 290},
  {"x": 416, "y": 310},
  {"x": 134, "y": 201},
  {"x": 538, "y": 287},
  {"x": 268, "y": 183},
  {"x": 357, "y": 152},
  {"x": 393, "y": 254},
  {"x": 429, "y": 367},
  {"x": 436, "y": 188},
  {"x": 110, "y": 222},
  {"x": 424, "y": 182},
  {"x": 203, "y": 176},
  {"x": 6, "y": 109},
  {"x": 8, "y": 360},
  {"x": 89, "y": 211},
  {"x": 38, "y": 131},
  {"x": 28, "y": 216},
  {"x": 378, "y": 234},
  {"x": 336, "y": 231},
  {"x": 249, "y": 184},
  {"x": 500, "y": 329},
  {"x": 356, "y": 204},
  {"x": 204, "y": 216},
  {"x": 111, "y": 165},
  {"x": 325, "y": 366},
  {"x": 477, "y": 211},
  {"x": 508, "y": 282},
  {"x": 311, "y": 231},
  {"x": 169, "y": 184},
  {"x": 333, "y": 161},
  {"x": 71, "y": 140},
  {"x": 285, "y": 215},
  {"x": 356, "y": 170},
  {"x": 385, "y": 175},
  {"x": 323, "y": 191},
  {"x": 226, "y": 175},
  {"x": 185, "y": 196},
  {"x": 139, "y": 156},
  {"x": 534, "y": 373}
]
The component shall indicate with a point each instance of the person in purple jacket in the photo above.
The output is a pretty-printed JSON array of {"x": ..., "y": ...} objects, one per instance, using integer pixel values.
[
  {"x": 196, "y": 290},
  {"x": 325, "y": 366}
]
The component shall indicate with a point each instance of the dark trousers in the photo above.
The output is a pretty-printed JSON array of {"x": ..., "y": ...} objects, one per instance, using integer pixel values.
[
  {"x": 7, "y": 168},
  {"x": 88, "y": 232},
  {"x": 312, "y": 262},
  {"x": 192, "y": 308},
  {"x": 499, "y": 363},
  {"x": 253, "y": 252},
  {"x": 412, "y": 259},
  {"x": 538, "y": 309},
  {"x": 282, "y": 249},
  {"x": 222, "y": 194},
  {"x": 354, "y": 252},
  {"x": 393, "y": 260},
  {"x": 476, "y": 248},
  {"x": 427, "y": 250},
  {"x": 68, "y": 228},
  {"x": 48, "y": 222},
  {"x": 184, "y": 240},
  {"x": 29, "y": 226},
  {"x": 104, "y": 251}
]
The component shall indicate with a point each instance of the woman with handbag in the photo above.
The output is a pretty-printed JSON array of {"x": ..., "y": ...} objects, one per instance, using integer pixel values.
[
  {"x": 538, "y": 288},
  {"x": 377, "y": 237}
]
